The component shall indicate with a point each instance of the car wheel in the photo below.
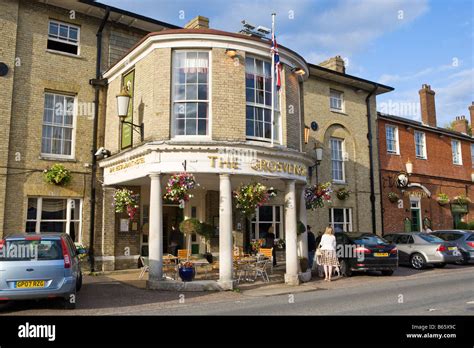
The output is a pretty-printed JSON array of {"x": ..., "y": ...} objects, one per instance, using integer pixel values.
[
  {"x": 387, "y": 272},
  {"x": 417, "y": 261},
  {"x": 345, "y": 269},
  {"x": 69, "y": 302},
  {"x": 79, "y": 282},
  {"x": 439, "y": 265},
  {"x": 463, "y": 261}
]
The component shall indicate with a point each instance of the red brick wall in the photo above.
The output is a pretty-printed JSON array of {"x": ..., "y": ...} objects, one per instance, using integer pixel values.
[{"x": 437, "y": 173}]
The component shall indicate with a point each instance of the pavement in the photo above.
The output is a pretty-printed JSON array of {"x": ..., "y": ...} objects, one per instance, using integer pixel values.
[{"x": 447, "y": 291}]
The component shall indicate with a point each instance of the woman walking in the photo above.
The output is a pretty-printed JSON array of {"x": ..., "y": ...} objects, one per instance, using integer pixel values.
[{"x": 328, "y": 249}]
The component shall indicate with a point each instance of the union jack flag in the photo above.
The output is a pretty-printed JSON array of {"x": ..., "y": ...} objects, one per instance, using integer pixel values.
[{"x": 276, "y": 56}]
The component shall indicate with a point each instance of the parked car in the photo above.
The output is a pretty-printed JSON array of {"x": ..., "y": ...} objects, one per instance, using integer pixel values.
[
  {"x": 419, "y": 249},
  {"x": 35, "y": 266},
  {"x": 464, "y": 240},
  {"x": 360, "y": 252}
]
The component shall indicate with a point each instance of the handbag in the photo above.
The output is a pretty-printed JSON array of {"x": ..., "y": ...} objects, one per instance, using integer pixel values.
[{"x": 318, "y": 251}]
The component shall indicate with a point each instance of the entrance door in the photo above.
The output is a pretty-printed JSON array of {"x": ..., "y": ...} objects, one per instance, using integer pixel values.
[{"x": 415, "y": 207}]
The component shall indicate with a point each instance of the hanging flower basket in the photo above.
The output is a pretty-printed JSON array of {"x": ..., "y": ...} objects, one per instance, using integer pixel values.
[
  {"x": 393, "y": 197},
  {"x": 250, "y": 197},
  {"x": 461, "y": 200},
  {"x": 442, "y": 199},
  {"x": 57, "y": 175},
  {"x": 177, "y": 188},
  {"x": 316, "y": 195},
  {"x": 343, "y": 193},
  {"x": 126, "y": 200}
]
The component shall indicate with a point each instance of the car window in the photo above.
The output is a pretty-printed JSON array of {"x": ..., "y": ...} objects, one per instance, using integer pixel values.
[
  {"x": 430, "y": 238},
  {"x": 402, "y": 239},
  {"x": 21, "y": 250},
  {"x": 410, "y": 240},
  {"x": 389, "y": 237},
  {"x": 471, "y": 238},
  {"x": 368, "y": 239}
]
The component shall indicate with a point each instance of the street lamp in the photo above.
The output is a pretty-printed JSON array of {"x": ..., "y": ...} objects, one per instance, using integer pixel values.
[
  {"x": 319, "y": 157},
  {"x": 409, "y": 167},
  {"x": 123, "y": 102}
]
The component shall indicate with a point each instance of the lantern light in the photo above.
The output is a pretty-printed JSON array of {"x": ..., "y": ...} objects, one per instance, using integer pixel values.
[{"x": 123, "y": 102}]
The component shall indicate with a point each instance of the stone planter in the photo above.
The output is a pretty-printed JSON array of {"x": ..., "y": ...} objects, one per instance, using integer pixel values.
[{"x": 305, "y": 276}]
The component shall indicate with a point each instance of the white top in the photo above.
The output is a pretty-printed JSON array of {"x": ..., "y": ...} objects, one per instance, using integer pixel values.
[{"x": 328, "y": 242}]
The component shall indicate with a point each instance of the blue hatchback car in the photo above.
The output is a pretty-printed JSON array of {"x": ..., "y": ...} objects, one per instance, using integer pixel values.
[{"x": 36, "y": 266}]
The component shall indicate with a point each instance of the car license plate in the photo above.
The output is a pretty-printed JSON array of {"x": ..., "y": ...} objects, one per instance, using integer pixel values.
[
  {"x": 452, "y": 248},
  {"x": 27, "y": 284},
  {"x": 381, "y": 254}
]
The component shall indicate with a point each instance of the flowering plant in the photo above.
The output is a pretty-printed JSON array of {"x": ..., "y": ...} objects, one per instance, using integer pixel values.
[
  {"x": 343, "y": 193},
  {"x": 250, "y": 197},
  {"x": 280, "y": 243},
  {"x": 442, "y": 198},
  {"x": 81, "y": 251},
  {"x": 462, "y": 200},
  {"x": 393, "y": 197},
  {"x": 256, "y": 244},
  {"x": 126, "y": 200},
  {"x": 316, "y": 195},
  {"x": 187, "y": 264},
  {"x": 57, "y": 175},
  {"x": 177, "y": 188}
]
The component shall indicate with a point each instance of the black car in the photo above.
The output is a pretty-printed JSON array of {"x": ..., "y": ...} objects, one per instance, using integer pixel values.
[{"x": 365, "y": 252}]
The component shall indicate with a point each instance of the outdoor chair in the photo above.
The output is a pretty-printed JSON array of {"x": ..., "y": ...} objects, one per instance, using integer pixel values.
[
  {"x": 144, "y": 264},
  {"x": 183, "y": 254},
  {"x": 170, "y": 267},
  {"x": 268, "y": 252},
  {"x": 260, "y": 269}
]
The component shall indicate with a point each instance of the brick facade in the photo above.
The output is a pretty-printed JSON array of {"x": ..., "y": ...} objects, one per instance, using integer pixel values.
[{"x": 437, "y": 173}]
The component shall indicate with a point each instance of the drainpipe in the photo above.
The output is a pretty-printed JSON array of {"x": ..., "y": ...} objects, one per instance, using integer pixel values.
[
  {"x": 97, "y": 84},
  {"x": 371, "y": 159}
]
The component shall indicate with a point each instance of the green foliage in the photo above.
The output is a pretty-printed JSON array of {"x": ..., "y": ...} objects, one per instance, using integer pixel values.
[
  {"x": 461, "y": 225},
  {"x": 442, "y": 198},
  {"x": 205, "y": 230},
  {"x": 190, "y": 226},
  {"x": 57, "y": 175},
  {"x": 300, "y": 228}
]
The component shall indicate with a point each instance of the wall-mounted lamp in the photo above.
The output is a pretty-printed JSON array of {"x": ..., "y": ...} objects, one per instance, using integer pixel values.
[
  {"x": 319, "y": 154},
  {"x": 409, "y": 167},
  {"x": 231, "y": 52},
  {"x": 306, "y": 134},
  {"x": 298, "y": 71},
  {"x": 472, "y": 177},
  {"x": 123, "y": 102}
]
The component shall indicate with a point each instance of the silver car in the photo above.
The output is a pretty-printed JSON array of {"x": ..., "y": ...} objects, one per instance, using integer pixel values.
[
  {"x": 35, "y": 266},
  {"x": 419, "y": 249},
  {"x": 464, "y": 240}
]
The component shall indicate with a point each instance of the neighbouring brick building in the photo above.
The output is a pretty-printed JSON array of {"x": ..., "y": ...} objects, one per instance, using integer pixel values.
[{"x": 441, "y": 161}]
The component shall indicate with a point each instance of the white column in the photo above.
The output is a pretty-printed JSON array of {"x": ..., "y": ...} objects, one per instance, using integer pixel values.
[
  {"x": 303, "y": 238},
  {"x": 225, "y": 232},
  {"x": 155, "y": 237},
  {"x": 291, "y": 275}
]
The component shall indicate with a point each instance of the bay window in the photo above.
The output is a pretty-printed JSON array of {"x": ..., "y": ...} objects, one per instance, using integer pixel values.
[
  {"x": 258, "y": 93},
  {"x": 191, "y": 93}
]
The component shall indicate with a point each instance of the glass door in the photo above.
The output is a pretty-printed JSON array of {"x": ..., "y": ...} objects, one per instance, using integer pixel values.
[
  {"x": 267, "y": 218},
  {"x": 415, "y": 208}
]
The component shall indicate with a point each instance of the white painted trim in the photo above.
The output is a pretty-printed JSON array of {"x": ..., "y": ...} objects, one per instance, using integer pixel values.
[{"x": 200, "y": 40}]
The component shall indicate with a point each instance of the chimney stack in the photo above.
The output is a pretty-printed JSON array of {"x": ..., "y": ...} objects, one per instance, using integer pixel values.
[
  {"x": 427, "y": 103},
  {"x": 460, "y": 124},
  {"x": 335, "y": 63},
  {"x": 198, "y": 22},
  {"x": 471, "y": 113}
]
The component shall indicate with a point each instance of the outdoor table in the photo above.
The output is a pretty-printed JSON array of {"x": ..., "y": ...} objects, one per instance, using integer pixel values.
[{"x": 199, "y": 262}]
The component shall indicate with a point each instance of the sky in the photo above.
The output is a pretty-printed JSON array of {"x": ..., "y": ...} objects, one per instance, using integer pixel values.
[{"x": 400, "y": 43}]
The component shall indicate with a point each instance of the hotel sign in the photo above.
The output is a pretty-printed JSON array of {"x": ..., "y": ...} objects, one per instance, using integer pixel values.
[
  {"x": 132, "y": 163},
  {"x": 259, "y": 165}
]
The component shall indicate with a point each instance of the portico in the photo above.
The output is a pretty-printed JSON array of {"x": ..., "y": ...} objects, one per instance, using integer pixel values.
[{"x": 216, "y": 169}]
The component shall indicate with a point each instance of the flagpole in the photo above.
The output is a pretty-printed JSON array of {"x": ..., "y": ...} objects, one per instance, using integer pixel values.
[{"x": 273, "y": 79}]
